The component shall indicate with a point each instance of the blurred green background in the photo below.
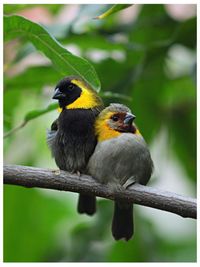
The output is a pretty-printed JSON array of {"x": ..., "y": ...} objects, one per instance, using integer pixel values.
[{"x": 148, "y": 54}]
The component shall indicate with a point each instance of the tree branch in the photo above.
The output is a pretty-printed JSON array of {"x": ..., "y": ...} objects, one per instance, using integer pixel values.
[{"x": 139, "y": 194}]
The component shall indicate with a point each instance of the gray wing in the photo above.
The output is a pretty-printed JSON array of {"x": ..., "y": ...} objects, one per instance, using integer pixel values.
[{"x": 51, "y": 134}]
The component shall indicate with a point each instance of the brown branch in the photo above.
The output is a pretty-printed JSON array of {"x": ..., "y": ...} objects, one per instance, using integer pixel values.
[{"x": 139, "y": 194}]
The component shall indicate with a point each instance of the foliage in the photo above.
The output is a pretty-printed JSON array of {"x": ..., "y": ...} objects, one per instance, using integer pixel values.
[
  {"x": 141, "y": 62},
  {"x": 66, "y": 62}
]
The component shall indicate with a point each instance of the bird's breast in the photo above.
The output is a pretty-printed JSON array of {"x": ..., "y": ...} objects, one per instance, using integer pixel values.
[
  {"x": 120, "y": 158},
  {"x": 75, "y": 139}
]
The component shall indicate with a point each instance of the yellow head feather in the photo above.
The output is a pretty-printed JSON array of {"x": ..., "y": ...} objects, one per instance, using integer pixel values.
[
  {"x": 103, "y": 130},
  {"x": 87, "y": 98},
  {"x": 102, "y": 127}
]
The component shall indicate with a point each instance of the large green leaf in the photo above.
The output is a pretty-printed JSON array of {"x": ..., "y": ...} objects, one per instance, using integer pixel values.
[{"x": 64, "y": 61}]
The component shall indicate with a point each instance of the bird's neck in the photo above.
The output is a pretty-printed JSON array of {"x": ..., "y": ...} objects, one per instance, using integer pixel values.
[
  {"x": 87, "y": 100},
  {"x": 104, "y": 132}
]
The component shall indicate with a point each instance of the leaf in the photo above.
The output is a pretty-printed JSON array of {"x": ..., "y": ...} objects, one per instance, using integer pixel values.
[
  {"x": 112, "y": 10},
  {"x": 36, "y": 113},
  {"x": 30, "y": 116},
  {"x": 64, "y": 61}
]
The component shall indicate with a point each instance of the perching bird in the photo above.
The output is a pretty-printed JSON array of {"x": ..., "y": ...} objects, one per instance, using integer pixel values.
[
  {"x": 121, "y": 157},
  {"x": 72, "y": 137}
]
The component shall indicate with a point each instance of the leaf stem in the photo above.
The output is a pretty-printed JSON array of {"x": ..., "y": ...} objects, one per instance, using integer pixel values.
[{"x": 15, "y": 129}]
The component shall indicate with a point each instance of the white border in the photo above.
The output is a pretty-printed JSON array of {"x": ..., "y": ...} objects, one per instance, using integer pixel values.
[
  {"x": 98, "y": 2},
  {"x": 1, "y": 136},
  {"x": 1, "y": 120}
]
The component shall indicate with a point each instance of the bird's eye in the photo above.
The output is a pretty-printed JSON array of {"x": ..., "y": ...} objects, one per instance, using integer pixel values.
[
  {"x": 71, "y": 87},
  {"x": 115, "y": 118}
]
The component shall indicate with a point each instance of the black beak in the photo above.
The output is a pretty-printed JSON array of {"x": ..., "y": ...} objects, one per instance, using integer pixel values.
[
  {"x": 58, "y": 94},
  {"x": 129, "y": 118}
]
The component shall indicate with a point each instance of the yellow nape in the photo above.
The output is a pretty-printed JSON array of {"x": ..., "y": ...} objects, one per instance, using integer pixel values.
[
  {"x": 87, "y": 98},
  {"x": 59, "y": 109},
  {"x": 102, "y": 129}
]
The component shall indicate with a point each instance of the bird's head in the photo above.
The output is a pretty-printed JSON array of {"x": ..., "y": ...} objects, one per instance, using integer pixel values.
[
  {"x": 74, "y": 93},
  {"x": 113, "y": 121}
]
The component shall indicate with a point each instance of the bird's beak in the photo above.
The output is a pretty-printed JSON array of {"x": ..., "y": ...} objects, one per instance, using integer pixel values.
[
  {"x": 58, "y": 94},
  {"x": 129, "y": 118}
]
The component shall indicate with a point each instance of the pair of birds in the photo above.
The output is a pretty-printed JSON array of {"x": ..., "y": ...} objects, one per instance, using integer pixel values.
[{"x": 102, "y": 142}]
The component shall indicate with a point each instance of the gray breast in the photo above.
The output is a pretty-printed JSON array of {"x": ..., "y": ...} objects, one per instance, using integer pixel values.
[{"x": 119, "y": 159}]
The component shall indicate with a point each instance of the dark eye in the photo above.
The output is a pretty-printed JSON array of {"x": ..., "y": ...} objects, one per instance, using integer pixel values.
[
  {"x": 71, "y": 87},
  {"x": 115, "y": 118}
]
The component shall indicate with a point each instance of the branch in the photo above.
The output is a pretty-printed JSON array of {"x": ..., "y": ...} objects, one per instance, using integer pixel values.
[{"x": 61, "y": 180}]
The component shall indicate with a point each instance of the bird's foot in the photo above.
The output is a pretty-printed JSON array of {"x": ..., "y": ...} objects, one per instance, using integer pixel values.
[
  {"x": 114, "y": 186},
  {"x": 129, "y": 182},
  {"x": 56, "y": 172},
  {"x": 77, "y": 173}
]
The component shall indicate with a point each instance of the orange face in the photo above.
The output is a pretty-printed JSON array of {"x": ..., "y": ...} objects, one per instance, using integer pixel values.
[{"x": 112, "y": 124}]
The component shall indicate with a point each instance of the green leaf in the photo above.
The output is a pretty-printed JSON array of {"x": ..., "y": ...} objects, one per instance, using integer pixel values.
[
  {"x": 112, "y": 10},
  {"x": 30, "y": 116},
  {"x": 36, "y": 113},
  {"x": 64, "y": 61}
]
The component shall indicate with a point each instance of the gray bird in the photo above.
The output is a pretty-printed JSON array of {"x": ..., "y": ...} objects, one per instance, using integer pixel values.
[{"x": 121, "y": 158}]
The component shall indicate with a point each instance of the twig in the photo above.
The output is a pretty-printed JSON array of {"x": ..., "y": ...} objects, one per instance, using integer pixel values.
[
  {"x": 15, "y": 129},
  {"x": 139, "y": 194}
]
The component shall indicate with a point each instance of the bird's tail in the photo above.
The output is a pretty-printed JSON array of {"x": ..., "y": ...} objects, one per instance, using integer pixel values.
[
  {"x": 87, "y": 204},
  {"x": 122, "y": 224}
]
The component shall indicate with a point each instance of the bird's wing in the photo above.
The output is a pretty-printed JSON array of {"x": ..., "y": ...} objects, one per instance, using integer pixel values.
[
  {"x": 52, "y": 133},
  {"x": 54, "y": 125}
]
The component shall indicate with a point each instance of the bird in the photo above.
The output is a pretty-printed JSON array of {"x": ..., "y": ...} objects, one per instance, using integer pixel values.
[
  {"x": 72, "y": 138},
  {"x": 121, "y": 158}
]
